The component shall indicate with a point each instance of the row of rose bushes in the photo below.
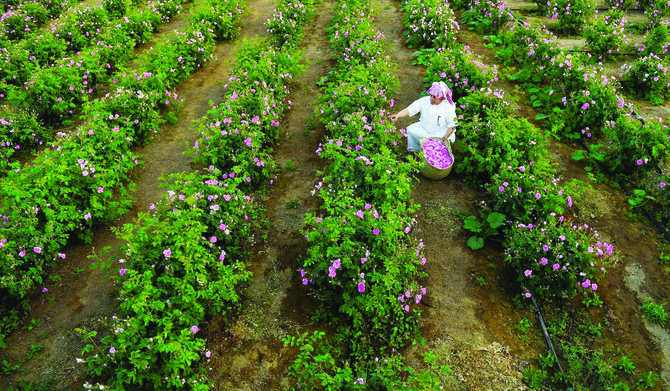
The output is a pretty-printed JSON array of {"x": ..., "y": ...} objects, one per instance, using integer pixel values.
[
  {"x": 19, "y": 19},
  {"x": 362, "y": 263},
  {"x": 81, "y": 180},
  {"x": 19, "y": 128},
  {"x": 555, "y": 258},
  {"x": 73, "y": 32},
  {"x": 186, "y": 260},
  {"x": 580, "y": 102},
  {"x": 508, "y": 157},
  {"x": 54, "y": 92},
  {"x": 605, "y": 35}
]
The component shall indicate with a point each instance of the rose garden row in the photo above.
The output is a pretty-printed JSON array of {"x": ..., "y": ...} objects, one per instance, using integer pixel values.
[
  {"x": 71, "y": 33},
  {"x": 361, "y": 263},
  {"x": 52, "y": 94},
  {"x": 81, "y": 181},
  {"x": 18, "y": 20},
  {"x": 508, "y": 158},
  {"x": 186, "y": 261},
  {"x": 580, "y": 102}
]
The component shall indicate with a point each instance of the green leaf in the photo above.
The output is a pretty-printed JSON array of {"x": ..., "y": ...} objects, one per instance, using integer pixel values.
[
  {"x": 541, "y": 116},
  {"x": 579, "y": 155},
  {"x": 475, "y": 242},
  {"x": 471, "y": 224},
  {"x": 496, "y": 219},
  {"x": 598, "y": 156}
]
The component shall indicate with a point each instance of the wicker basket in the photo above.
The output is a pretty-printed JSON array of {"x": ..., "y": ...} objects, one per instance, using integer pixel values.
[{"x": 430, "y": 171}]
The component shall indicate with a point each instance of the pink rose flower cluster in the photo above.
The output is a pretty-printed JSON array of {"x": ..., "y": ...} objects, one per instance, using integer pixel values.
[{"x": 437, "y": 154}]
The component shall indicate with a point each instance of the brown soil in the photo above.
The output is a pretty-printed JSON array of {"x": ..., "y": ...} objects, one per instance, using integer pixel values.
[{"x": 249, "y": 354}]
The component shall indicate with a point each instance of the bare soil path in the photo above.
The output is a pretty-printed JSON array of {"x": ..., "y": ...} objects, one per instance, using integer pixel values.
[
  {"x": 468, "y": 324},
  {"x": 249, "y": 354}
]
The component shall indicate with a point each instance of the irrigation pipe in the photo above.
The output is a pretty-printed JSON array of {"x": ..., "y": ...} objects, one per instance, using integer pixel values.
[
  {"x": 551, "y": 346},
  {"x": 545, "y": 332}
]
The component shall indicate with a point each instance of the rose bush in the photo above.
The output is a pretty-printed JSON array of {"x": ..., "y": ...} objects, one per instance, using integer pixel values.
[
  {"x": 429, "y": 24},
  {"x": 184, "y": 262},
  {"x": 80, "y": 181},
  {"x": 647, "y": 78},
  {"x": 461, "y": 69}
]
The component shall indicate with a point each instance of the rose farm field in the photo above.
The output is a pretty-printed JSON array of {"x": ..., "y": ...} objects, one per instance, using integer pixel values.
[{"x": 217, "y": 195}]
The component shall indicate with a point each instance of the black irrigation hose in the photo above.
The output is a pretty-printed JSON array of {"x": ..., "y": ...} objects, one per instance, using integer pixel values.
[
  {"x": 423, "y": 302},
  {"x": 546, "y": 333},
  {"x": 551, "y": 346}
]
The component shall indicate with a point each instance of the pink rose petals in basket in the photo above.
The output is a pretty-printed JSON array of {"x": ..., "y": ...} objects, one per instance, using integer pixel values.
[{"x": 437, "y": 154}]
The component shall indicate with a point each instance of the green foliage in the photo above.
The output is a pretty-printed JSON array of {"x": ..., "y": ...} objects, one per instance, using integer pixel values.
[
  {"x": 234, "y": 133},
  {"x": 35, "y": 349},
  {"x": 486, "y": 16},
  {"x": 523, "y": 326},
  {"x": 19, "y": 130},
  {"x": 361, "y": 262},
  {"x": 605, "y": 36},
  {"x": 491, "y": 144},
  {"x": 81, "y": 181},
  {"x": 8, "y": 369},
  {"x": 626, "y": 365},
  {"x": 222, "y": 18},
  {"x": 657, "y": 42},
  {"x": 577, "y": 15},
  {"x": 482, "y": 230},
  {"x": 653, "y": 312},
  {"x": 321, "y": 365},
  {"x": 460, "y": 68},
  {"x": 648, "y": 380},
  {"x": 288, "y": 22},
  {"x": 183, "y": 263},
  {"x": 647, "y": 78},
  {"x": 429, "y": 24},
  {"x": 526, "y": 193},
  {"x": 534, "y": 378},
  {"x": 116, "y": 8},
  {"x": 591, "y": 102},
  {"x": 559, "y": 259},
  {"x": 34, "y": 323}
]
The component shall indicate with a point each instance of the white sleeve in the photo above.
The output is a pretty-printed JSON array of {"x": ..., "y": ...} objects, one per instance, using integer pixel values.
[
  {"x": 451, "y": 117},
  {"x": 414, "y": 108}
]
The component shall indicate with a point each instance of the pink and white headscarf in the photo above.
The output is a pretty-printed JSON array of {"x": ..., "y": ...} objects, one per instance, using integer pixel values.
[{"x": 440, "y": 90}]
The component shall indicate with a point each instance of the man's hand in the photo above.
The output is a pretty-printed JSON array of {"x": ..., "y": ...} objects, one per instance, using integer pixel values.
[{"x": 448, "y": 134}]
